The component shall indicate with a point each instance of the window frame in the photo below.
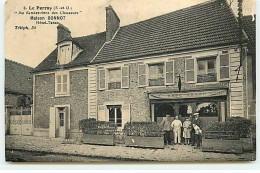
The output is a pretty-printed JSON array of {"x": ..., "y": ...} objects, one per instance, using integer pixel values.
[
  {"x": 115, "y": 107},
  {"x": 147, "y": 69},
  {"x": 157, "y": 69},
  {"x": 107, "y": 76},
  {"x": 206, "y": 59},
  {"x": 62, "y": 93},
  {"x": 62, "y": 60}
]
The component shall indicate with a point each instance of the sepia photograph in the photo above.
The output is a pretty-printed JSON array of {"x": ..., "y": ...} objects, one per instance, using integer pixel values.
[{"x": 120, "y": 81}]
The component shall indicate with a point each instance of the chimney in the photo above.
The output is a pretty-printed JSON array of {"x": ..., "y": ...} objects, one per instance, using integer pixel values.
[
  {"x": 63, "y": 33},
  {"x": 112, "y": 23}
]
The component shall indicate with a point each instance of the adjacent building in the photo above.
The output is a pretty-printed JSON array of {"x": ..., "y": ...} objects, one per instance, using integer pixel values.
[
  {"x": 18, "y": 98},
  {"x": 18, "y": 84},
  {"x": 179, "y": 63}
]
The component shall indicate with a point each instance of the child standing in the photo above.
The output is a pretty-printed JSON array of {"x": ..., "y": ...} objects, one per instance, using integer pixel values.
[{"x": 186, "y": 131}]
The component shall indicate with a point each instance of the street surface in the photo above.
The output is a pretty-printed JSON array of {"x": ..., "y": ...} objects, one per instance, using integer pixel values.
[
  {"x": 25, "y": 156},
  {"x": 171, "y": 153}
]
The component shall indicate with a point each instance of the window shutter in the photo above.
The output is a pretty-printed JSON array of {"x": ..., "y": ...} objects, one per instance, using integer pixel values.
[
  {"x": 67, "y": 117},
  {"x": 141, "y": 75},
  {"x": 125, "y": 77},
  {"x": 101, "y": 113},
  {"x": 224, "y": 67},
  {"x": 189, "y": 69},
  {"x": 102, "y": 79},
  {"x": 125, "y": 114},
  {"x": 52, "y": 129},
  {"x": 169, "y": 72}
]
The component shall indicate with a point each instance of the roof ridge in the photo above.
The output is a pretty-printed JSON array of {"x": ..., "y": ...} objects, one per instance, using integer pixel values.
[
  {"x": 18, "y": 63},
  {"x": 182, "y": 9},
  {"x": 89, "y": 35}
]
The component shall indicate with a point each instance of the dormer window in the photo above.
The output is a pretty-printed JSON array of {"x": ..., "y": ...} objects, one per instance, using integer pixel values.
[
  {"x": 68, "y": 48},
  {"x": 64, "y": 53}
]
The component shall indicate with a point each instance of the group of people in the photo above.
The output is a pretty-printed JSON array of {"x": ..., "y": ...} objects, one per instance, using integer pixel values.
[{"x": 192, "y": 130}]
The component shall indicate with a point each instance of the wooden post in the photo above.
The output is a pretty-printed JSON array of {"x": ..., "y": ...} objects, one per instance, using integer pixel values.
[
  {"x": 152, "y": 111},
  {"x": 7, "y": 119},
  {"x": 222, "y": 111}
]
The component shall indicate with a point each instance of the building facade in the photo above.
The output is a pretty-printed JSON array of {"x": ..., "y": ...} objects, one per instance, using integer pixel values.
[{"x": 178, "y": 63}]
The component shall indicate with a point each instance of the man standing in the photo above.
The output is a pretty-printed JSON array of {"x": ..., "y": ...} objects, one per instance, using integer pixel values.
[
  {"x": 198, "y": 121},
  {"x": 166, "y": 128},
  {"x": 176, "y": 125}
]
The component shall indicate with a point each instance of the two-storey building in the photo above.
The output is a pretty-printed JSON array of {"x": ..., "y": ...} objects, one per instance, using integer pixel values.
[{"x": 179, "y": 63}]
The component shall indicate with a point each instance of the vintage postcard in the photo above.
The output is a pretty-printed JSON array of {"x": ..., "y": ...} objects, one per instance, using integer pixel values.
[{"x": 105, "y": 81}]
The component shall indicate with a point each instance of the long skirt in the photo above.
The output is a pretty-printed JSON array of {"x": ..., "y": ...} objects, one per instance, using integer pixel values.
[{"x": 186, "y": 133}]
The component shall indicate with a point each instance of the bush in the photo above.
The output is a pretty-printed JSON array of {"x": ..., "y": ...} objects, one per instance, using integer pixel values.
[
  {"x": 145, "y": 129},
  {"x": 233, "y": 125},
  {"x": 91, "y": 126}
]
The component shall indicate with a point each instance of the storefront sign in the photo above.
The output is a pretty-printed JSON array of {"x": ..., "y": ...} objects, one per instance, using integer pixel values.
[{"x": 186, "y": 95}]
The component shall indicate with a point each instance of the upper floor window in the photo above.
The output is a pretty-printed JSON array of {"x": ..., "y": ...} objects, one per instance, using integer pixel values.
[
  {"x": 114, "y": 78},
  {"x": 62, "y": 84},
  {"x": 156, "y": 74},
  {"x": 206, "y": 70},
  {"x": 64, "y": 53}
]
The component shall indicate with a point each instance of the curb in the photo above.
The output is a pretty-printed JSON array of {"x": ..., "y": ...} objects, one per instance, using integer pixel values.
[{"x": 81, "y": 155}]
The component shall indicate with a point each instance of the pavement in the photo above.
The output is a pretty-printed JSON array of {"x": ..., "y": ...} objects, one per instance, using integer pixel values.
[{"x": 171, "y": 153}]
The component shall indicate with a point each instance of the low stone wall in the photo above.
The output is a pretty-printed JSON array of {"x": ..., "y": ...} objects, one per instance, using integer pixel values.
[{"x": 42, "y": 132}]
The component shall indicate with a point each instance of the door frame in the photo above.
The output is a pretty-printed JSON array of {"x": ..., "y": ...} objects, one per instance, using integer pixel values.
[{"x": 66, "y": 118}]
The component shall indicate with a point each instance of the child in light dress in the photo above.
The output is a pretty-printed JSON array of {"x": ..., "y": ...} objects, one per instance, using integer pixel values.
[{"x": 186, "y": 131}]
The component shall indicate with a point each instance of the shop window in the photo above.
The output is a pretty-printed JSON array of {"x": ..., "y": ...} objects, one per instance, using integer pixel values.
[
  {"x": 207, "y": 109},
  {"x": 115, "y": 115},
  {"x": 156, "y": 74},
  {"x": 114, "y": 78},
  {"x": 206, "y": 70}
]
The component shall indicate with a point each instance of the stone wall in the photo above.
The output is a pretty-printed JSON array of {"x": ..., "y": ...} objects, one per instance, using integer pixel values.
[
  {"x": 137, "y": 97},
  {"x": 45, "y": 98}
]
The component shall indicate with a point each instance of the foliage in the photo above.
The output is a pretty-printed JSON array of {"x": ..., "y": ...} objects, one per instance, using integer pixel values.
[
  {"x": 235, "y": 124},
  {"x": 91, "y": 126},
  {"x": 145, "y": 129}
]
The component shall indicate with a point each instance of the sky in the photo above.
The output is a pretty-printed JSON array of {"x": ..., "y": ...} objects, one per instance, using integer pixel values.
[{"x": 30, "y": 47}]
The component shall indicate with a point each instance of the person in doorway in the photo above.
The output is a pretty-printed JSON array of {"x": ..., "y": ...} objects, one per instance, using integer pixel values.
[
  {"x": 198, "y": 133},
  {"x": 166, "y": 123},
  {"x": 176, "y": 125},
  {"x": 198, "y": 122},
  {"x": 192, "y": 132},
  {"x": 187, "y": 131}
]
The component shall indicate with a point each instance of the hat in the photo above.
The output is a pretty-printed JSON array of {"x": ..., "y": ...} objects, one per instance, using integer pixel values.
[{"x": 167, "y": 115}]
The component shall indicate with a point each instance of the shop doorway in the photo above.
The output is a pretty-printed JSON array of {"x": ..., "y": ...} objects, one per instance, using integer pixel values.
[{"x": 163, "y": 109}]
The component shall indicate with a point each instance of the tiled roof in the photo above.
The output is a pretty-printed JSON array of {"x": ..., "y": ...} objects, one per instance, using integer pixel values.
[
  {"x": 249, "y": 27},
  {"x": 91, "y": 45},
  {"x": 204, "y": 25},
  {"x": 18, "y": 78}
]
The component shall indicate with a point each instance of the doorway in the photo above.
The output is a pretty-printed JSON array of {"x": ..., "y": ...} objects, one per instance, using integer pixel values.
[
  {"x": 163, "y": 109},
  {"x": 59, "y": 121}
]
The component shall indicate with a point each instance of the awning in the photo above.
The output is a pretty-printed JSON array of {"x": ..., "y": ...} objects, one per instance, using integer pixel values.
[{"x": 187, "y": 95}]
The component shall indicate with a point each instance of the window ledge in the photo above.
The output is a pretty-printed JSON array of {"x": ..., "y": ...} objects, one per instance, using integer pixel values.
[
  {"x": 207, "y": 83},
  {"x": 62, "y": 95}
]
